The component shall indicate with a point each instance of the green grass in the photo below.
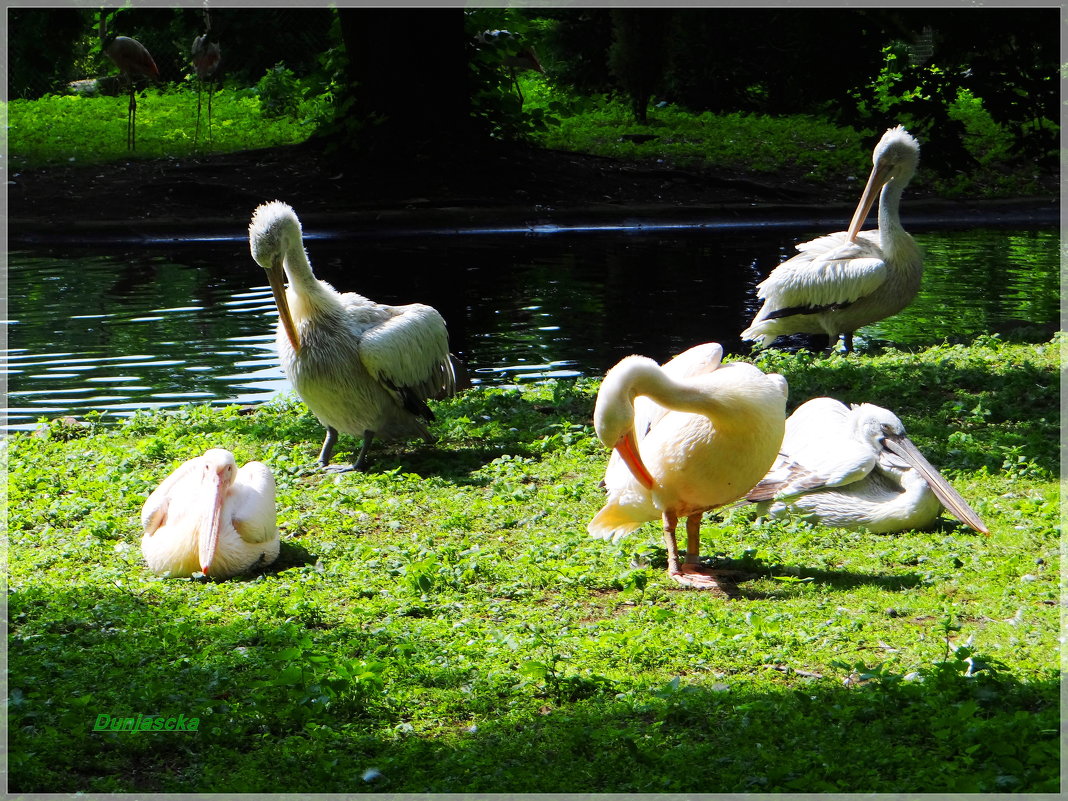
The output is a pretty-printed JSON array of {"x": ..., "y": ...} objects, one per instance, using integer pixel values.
[
  {"x": 60, "y": 129},
  {"x": 445, "y": 624},
  {"x": 808, "y": 148},
  {"x": 63, "y": 129}
]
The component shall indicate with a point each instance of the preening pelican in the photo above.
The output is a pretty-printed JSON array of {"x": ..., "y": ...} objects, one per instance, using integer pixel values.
[
  {"x": 854, "y": 467},
  {"x": 210, "y": 517},
  {"x": 846, "y": 280},
  {"x": 689, "y": 436},
  {"x": 363, "y": 368}
]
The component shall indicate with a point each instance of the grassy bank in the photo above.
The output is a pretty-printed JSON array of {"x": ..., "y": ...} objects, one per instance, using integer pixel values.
[
  {"x": 445, "y": 624},
  {"x": 91, "y": 129}
]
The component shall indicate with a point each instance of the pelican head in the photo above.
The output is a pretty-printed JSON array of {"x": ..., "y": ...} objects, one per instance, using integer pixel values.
[
  {"x": 613, "y": 414},
  {"x": 885, "y": 430},
  {"x": 273, "y": 234},
  {"x": 218, "y": 470},
  {"x": 894, "y": 159}
]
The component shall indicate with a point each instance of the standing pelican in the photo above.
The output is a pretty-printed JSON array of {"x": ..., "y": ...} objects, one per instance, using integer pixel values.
[
  {"x": 846, "y": 280},
  {"x": 363, "y": 368},
  {"x": 854, "y": 467},
  {"x": 208, "y": 516},
  {"x": 689, "y": 436}
]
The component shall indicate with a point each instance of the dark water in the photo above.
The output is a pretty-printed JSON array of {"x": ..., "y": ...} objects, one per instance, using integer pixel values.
[{"x": 160, "y": 326}]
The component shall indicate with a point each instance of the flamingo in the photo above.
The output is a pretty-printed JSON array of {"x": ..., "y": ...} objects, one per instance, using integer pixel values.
[
  {"x": 208, "y": 516},
  {"x": 134, "y": 61},
  {"x": 514, "y": 55},
  {"x": 689, "y": 436},
  {"x": 363, "y": 368},
  {"x": 854, "y": 467},
  {"x": 840, "y": 282},
  {"x": 206, "y": 58}
]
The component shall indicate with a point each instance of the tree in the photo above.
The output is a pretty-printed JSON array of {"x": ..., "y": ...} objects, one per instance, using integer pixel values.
[
  {"x": 408, "y": 92},
  {"x": 638, "y": 54}
]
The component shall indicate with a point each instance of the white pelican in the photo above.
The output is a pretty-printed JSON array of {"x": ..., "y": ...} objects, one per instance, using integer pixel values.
[
  {"x": 363, "y": 368},
  {"x": 854, "y": 467},
  {"x": 846, "y": 280},
  {"x": 210, "y": 517},
  {"x": 701, "y": 437}
]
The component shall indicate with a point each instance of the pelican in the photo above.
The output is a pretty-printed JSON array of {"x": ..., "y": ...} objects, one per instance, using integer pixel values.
[
  {"x": 854, "y": 467},
  {"x": 210, "y": 517},
  {"x": 840, "y": 282},
  {"x": 689, "y": 436},
  {"x": 363, "y": 368}
]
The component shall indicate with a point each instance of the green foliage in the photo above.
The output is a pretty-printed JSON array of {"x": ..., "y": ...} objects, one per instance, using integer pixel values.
[
  {"x": 445, "y": 623},
  {"x": 71, "y": 128},
  {"x": 279, "y": 92}
]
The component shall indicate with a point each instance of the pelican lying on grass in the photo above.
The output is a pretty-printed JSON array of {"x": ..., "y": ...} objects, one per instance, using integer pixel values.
[
  {"x": 854, "y": 467},
  {"x": 209, "y": 517},
  {"x": 363, "y": 368},
  {"x": 846, "y": 280},
  {"x": 689, "y": 436}
]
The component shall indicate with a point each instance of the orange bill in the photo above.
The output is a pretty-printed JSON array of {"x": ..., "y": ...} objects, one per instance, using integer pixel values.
[{"x": 627, "y": 448}]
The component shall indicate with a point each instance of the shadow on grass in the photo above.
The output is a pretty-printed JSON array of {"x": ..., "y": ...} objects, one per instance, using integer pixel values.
[{"x": 279, "y": 713}]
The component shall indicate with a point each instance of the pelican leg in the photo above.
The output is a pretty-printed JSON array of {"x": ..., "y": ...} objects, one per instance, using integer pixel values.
[
  {"x": 670, "y": 524},
  {"x": 849, "y": 342},
  {"x": 691, "y": 574},
  {"x": 361, "y": 460},
  {"x": 328, "y": 450},
  {"x": 328, "y": 446}
]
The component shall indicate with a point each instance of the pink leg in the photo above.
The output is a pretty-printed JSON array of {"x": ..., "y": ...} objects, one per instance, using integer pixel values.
[{"x": 690, "y": 574}]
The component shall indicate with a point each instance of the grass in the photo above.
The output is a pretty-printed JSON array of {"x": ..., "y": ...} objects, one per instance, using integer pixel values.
[
  {"x": 807, "y": 147},
  {"x": 445, "y": 624},
  {"x": 59, "y": 129}
]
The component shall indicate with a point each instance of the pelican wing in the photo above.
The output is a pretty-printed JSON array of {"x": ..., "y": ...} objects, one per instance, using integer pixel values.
[
  {"x": 826, "y": 273},
  {"x": 409, "y": 354},
  {"x": 155, "y": 509},
  {"x": 819, "y": 450},
  {"x": 253, "y": 503}
]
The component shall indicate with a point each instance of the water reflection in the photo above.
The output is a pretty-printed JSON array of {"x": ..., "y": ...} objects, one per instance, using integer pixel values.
[{"x": 127, "y": 330}]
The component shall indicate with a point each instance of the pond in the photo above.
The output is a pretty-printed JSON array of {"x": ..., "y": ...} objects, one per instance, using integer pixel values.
[{"x": 152, "y": 326}]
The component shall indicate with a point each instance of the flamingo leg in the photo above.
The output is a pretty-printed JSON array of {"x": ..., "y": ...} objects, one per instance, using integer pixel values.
[
  {"x": 196, "y": 130},
  {"x": 131, "y": 121}
]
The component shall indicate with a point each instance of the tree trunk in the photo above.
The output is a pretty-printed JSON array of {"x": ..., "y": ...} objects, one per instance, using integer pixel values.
[{"x": 408, "y": 80}]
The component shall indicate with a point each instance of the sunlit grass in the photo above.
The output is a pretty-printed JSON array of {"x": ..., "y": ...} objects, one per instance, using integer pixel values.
[
  {"x": 808, "y": 148},
  {"x": 445, "y": 624},
  {"x": 82, "y": 129}
]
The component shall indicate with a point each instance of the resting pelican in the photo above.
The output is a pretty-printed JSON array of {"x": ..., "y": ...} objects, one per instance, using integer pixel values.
[
  {"x": 208, "y": 516},
  {"x": 846, "y": 280},
  {"x": 688, "y": 436},
  {"x": 363, "y": 368},
  {"x": 854, "y": 467}
]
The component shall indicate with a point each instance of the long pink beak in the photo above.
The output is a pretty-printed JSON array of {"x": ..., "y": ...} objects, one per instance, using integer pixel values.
[
  {"x": 209, "y": 540},
  {"x": 627, "y": 447}
]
